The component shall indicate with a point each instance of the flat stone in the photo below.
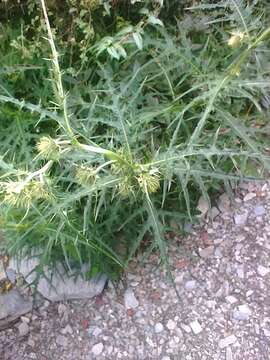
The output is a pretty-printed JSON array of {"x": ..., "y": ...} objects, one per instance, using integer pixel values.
[
  {"x": 23, "y": 329},
  {"x": 190, "y": 285},
  {"x": 203, "y": 206},
  {"x": 12, "y": 306},
  {"x": 130, "y": 300},
  {"x": 57, "y": 284},
  {"x": 242, "y": 313},
  {"x": 249, "y": 196},
  {"x": 206, "y": 252},
  {"x": 229, "y": 340},
  {"x": 196, "y": 327},
  {"x": 262, "y": 270},
  {"x": 97, "y": 349},
  {"x": 214, "y": 212},
  {"x": 240, "y": 219},
  {"x": 259, "y": 210},
  {"x": 224, "y": 203},
  {"x": 159, "y": 328},
  {"x": 11, "y": 275}
]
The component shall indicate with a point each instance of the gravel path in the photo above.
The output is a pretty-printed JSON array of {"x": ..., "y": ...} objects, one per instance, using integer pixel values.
[{"x": 222, "y": 273}]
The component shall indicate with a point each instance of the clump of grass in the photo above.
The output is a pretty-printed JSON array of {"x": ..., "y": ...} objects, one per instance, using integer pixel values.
[{"x": 138, "y": 143}]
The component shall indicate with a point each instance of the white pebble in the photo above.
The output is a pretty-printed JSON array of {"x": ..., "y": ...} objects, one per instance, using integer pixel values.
[
  {"x": 229, "y": 355},
  {"x": 229, "y": 340},
  {"x": 130, "y": 300},
  {"x": 158, "y": 328},
  {"x": 259, "y": 210},
  {"x": 186, "y": 328},
  {"x": 240, "y": 219},
  {"x": 97, "y": 349},
  {"x": 196, "y": 327},
  {"x": 242, "y": 312},
  {"x": 262, "y": 270},
  {"x": 249, "y": 196},
  {"x": 171, "y": 325},
  {"x": 23, "y": 329}
]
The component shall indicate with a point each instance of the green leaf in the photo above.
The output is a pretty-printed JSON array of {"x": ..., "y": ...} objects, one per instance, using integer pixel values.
[
  {"x": 113, "y": 52},
  {"x": 138, "y": 40},
  {"x": 154, "y": 20}
]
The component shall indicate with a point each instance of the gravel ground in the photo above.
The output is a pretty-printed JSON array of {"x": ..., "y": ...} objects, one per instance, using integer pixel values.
[{"x": 222, "y": 273}]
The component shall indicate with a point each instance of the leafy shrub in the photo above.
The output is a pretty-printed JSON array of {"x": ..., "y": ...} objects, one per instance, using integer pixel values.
[{"x": 156, "y": 117}]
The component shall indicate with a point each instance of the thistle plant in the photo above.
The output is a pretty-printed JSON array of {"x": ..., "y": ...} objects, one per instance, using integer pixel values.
[{"x": 135, "y": 144}]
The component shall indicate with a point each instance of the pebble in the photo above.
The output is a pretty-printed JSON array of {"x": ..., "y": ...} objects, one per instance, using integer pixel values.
[
  {"x": 240, "y": 219},
  {"x": 266, "y": 332},
  {"x": 203, "y": 205},
  {"x": 262, "y": 270},
  {"x": 23, "y": 329},
  {"x": 229, "y": 340},
  {"x": 249, "y": 196},
  {"x": 67, "y": 330},
  {"x": 25, "y": 319},
  {"x": 191, "y": 285},
  {"x": 61, "y": 309},
  {"x": 224, "y": 203},
  {"x": 11, "y": 275},
  {"x": 171, "y": 325},
  {"x": 206, "y": 252},
  {"x": 186, "y": 328},
  {"x": 130, "y": 300},
  {"x": 158, "y": 328},
  {"x": 196, "y": 327},
  {"x": 97, "y": 331},
  {"x": 97, "y": 349},
  {"x": 259, "y": 210},
  {"x": 229, "y": 355},
  {"x": 61, "y": 340},
  {"x": 242, "y": 312},
  {"x": 31, "y": 343}
]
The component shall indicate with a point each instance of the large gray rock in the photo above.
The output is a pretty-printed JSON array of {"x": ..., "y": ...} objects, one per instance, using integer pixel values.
[
  {"x": 12, "y": 306},
  {"x": 57, "y": 284}
]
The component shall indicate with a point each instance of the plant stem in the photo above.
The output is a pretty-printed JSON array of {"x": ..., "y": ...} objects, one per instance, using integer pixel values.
[
  {"x": 34, "y": 174},
  {"x": 57, "y": 72}
]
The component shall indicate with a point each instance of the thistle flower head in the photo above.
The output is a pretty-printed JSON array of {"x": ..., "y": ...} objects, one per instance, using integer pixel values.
[
  {"x": 18, "y": 195},
  {"x": 86, "y": 175},
  {"x": 236, "y": 39},
  {"x": 125, "y": 186},
  {"x": 49, "y": 148},
  {"x": 149, "y": 180}
]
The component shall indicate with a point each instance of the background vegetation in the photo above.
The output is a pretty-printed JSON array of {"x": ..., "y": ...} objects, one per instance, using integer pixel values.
[{"x": 116, "y": 116}]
